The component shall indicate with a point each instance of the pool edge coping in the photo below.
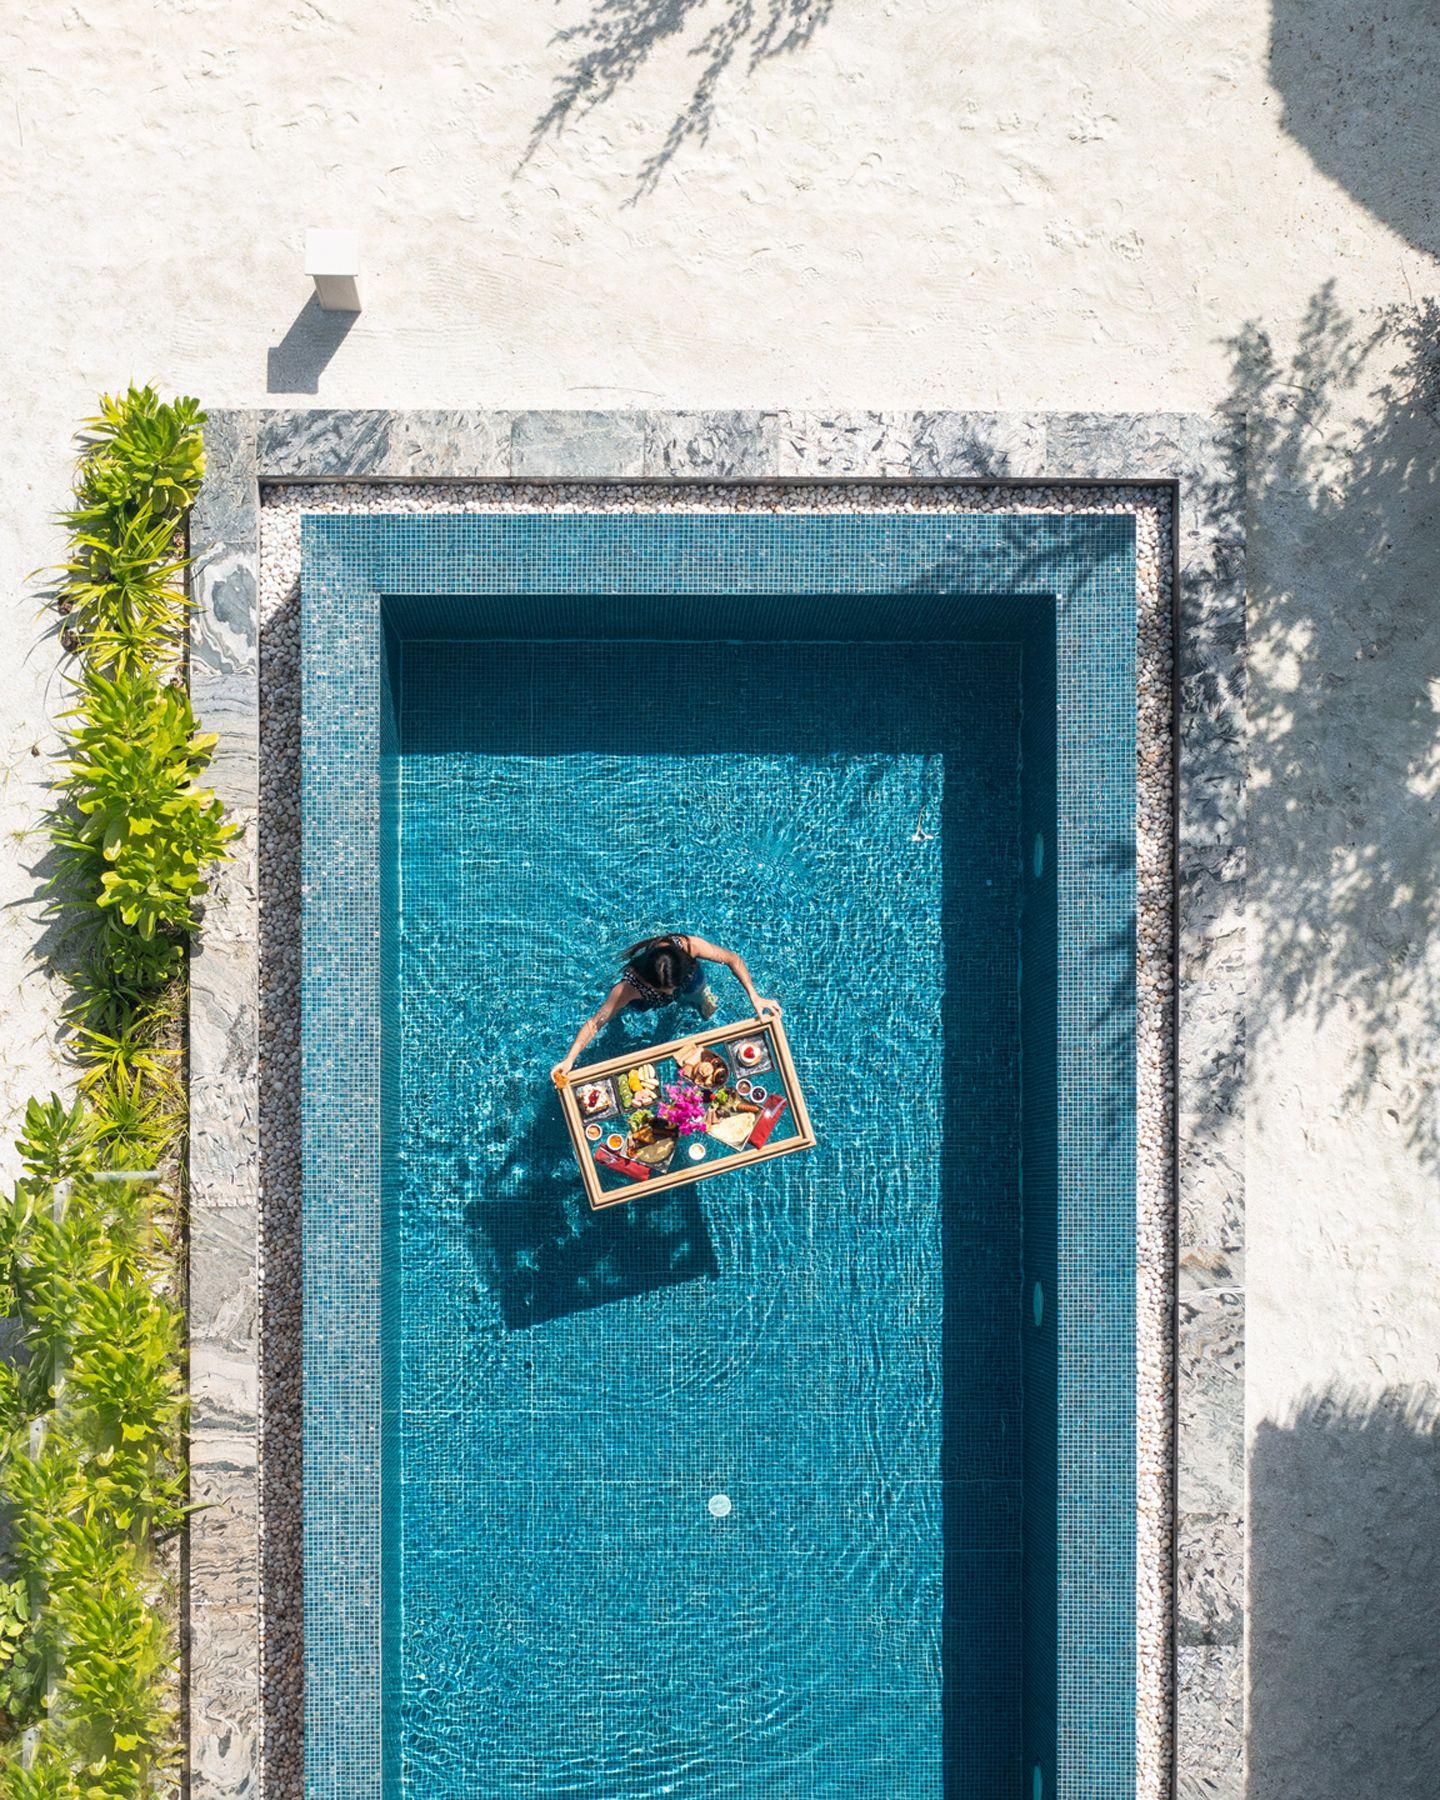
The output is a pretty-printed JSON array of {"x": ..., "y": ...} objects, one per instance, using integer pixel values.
[{"x": 1200, "y": 458}]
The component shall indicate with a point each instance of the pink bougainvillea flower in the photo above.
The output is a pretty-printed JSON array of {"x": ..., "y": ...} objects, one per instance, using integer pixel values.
[{"x": 684, "y": 1107}]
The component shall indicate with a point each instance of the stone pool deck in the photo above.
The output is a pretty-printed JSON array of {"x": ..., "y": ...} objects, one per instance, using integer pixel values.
[{"x": 1192, "y": 461}]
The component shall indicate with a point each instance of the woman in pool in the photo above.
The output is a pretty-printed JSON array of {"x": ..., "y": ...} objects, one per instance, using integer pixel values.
[{"x": 657, "y": 972}]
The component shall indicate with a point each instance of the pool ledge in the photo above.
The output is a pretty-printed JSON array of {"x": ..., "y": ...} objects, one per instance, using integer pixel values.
[{"x": 1199, "y": 458}]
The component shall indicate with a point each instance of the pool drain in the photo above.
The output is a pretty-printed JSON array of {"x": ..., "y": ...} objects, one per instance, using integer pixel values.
[{"x": 719, "y": 1505}]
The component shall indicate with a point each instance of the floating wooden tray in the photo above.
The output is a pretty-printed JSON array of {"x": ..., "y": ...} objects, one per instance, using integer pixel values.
[{"x": 801, "y": 1137}]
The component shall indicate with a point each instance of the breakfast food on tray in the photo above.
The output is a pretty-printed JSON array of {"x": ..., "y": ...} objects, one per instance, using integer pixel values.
[
  {"x": 655, "y": 1154},
  {"x": 728, "y": 1100},
  {"x": 707, "y": 1068},
  {"x": 639, "y": 1086},
  {"x": 684, "y": 1112},
  {"x": 596, "y": 1097},
  {"x": 651, "y": 1141},
  {"x": 733, "y": 1130}
]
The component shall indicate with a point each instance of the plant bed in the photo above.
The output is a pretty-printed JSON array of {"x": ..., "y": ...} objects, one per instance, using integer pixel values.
[{"x": 92, "y": 1466}]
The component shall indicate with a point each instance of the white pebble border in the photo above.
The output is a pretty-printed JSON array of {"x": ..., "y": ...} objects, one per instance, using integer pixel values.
[{"x": 282, "y": 1519}]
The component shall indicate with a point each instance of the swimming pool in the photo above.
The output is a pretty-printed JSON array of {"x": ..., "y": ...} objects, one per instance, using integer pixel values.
[{"x": 810, "y": 1481}]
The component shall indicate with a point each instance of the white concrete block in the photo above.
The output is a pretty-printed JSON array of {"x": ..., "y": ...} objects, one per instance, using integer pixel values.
[{"x": 332, "y": 260}]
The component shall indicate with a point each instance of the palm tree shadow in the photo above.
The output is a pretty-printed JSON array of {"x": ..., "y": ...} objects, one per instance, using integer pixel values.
[
  {"x": 543, "y": 1254},
  {"x": 613, "y": 45}
]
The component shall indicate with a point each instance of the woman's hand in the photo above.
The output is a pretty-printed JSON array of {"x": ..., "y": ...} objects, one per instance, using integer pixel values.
[
  {"x": 560, "y": 1075},
  {"x": 766, "y": 1009}
]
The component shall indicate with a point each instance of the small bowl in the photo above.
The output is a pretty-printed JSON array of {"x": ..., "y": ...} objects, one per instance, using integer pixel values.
[
  {"x": 742, "y": 1086},
  {"x": 756, "y": 1091},
  {"x": 697, "y": 1153},
  {"x": 594, "y": 1133},
  {"x": 615, "y": 1141}
]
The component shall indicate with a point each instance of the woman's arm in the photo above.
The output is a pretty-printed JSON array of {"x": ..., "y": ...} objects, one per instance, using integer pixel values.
[
  {"x": 614, "y": 1002},
  {"x": 708, "y": 952}
]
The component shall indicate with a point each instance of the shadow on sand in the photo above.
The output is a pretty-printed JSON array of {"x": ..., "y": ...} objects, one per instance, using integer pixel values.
[
  {"x": 1357, "y": 81},
  {"x": 1345, "y": 1599},
  {"x": 296, "y": 363},
  {"x": 1343, "y": 467},
  {"x": 614, "y": 44}
]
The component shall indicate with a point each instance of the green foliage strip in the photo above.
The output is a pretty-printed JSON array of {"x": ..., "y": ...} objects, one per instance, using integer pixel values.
[{"x": 92, "y": 1397}]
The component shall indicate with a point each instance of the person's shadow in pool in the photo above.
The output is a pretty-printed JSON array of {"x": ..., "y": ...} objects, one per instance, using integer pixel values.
[{"x": 543, "y": 1253}]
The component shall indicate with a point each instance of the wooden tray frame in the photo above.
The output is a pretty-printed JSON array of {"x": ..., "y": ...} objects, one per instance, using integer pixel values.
[{"x": 599, "y": 1198}]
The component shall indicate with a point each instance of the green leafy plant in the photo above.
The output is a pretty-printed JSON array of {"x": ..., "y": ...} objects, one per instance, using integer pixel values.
[
  {"x": 56, "y": 1140},
  {"x": 139, "y": 453},
  {"x": 135, "y": 831},
  {"x": 122, "y": 584},
  {"x": 136, "y": 1117},
  {"x": 92, "y": 1402},
  {"x": 48, "y": 1778},
  {"x": 22, "y": 1658},
  {"x": 91, "y": 1473}
]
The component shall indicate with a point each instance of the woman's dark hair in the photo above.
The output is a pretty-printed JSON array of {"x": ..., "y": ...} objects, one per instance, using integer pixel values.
[{"x": 662, "y": 963}]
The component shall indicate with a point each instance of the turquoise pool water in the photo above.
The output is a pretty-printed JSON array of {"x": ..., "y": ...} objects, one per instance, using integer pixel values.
[
  {"x": 717, "y": 1494},
  {"x": 818, "y": 1478}
]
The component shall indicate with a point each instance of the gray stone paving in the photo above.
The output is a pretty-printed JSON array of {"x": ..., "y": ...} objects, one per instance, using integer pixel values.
[{"x": 225, "y": 1606}]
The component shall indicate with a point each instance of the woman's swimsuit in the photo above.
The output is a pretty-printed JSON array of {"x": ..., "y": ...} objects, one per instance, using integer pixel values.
[{"x": 696, "y": 992}]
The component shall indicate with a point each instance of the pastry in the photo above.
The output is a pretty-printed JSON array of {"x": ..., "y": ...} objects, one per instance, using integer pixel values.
[{"x": 733, "y": 1130}]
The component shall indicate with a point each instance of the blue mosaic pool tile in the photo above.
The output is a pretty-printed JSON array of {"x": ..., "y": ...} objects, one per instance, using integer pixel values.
[{"x": 995, "y": 578}]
